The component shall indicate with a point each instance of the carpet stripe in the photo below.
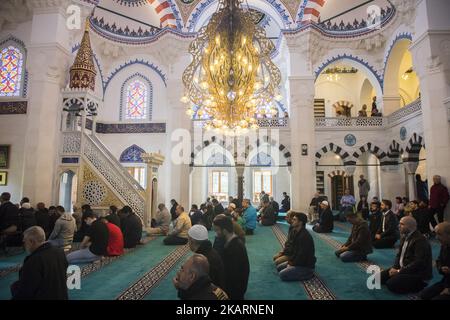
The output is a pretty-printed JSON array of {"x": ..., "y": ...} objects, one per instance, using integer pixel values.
[
  {"x": 92, "y": 267},
  {"x": 6, "y": 271},
  {"x": 315, "y": 287},
  {"x": 148, "y": 281}
]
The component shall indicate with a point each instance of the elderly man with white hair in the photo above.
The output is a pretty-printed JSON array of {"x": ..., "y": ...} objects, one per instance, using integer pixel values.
[
  {"x": 43, "y": 275},
  {"x": 413, "y": 264}
]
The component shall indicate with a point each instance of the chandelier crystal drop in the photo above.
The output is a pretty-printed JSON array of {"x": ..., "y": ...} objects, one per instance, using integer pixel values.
[{"x": 231, "y": 81}]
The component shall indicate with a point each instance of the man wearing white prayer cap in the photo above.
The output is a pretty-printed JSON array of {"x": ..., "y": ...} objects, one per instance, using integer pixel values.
[{"x": 199, "y": 243}]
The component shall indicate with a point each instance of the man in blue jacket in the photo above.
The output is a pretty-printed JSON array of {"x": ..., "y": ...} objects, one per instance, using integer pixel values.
[{"x": 249, "y": 217}]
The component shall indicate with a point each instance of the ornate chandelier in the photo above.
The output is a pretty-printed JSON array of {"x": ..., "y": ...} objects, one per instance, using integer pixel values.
[{"x": 231, "y": 81}]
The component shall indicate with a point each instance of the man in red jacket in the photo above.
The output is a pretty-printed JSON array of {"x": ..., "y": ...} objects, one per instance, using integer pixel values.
[
  {"x": 438, "y": 200},
  {"x": 115, "y": 240}
]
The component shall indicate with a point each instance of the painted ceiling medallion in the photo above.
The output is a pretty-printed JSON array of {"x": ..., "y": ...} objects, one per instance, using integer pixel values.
[{"x": 132, "y": 3}]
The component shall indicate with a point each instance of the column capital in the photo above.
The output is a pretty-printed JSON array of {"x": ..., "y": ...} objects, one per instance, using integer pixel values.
[{"x": 153, "y": 159}]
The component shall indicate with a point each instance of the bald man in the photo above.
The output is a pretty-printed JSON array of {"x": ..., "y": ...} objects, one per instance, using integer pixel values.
[
  {"x": 413, "y": 264},
  {"x": 193, "y": 283},
  {"x": 441, "y": 289}
]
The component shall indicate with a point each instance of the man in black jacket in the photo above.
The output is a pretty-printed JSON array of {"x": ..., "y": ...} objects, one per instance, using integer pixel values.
[
  {"x": 387, "y": 234},
  {"x": 326, "y": 219},
  {"x": 359, "y": 244},
  {"x": 413, "y": 264},
  {"x": 301, "y": 263},
  {"x": 9, "y": 221},
  {"x": 131, "y": 227},
  {"x": 199, "y": 243},
  {"x": 43, "y": 275},
  {"x": 441, "y": 289},
  {"x": 375, "y": 219},
  {"x": 193, "y": 283},
  {"x": 217, "y": 208},
  {"x": 275, "y": 206},
  {"x": 314, "y": 207},
  {"x": 285, "y": 203},
  {"x": 268, "y": 217},
  {"x": 112, "y": 216},
  {"x": 235, "y": 259},
  {"x": 43, "y": 218}
]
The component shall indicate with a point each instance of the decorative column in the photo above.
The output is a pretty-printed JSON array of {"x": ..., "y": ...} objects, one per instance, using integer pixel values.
[
  {"x": 240, "y": 168},
  {"x": 153, "y": 161},
  {"x": 179, "y": 135},
  {"x": 411, "y": 168},
  {"x": 302, "y": 127},
  {"x": 431, "y": 60},
  {"x": 48, "y": 60}
]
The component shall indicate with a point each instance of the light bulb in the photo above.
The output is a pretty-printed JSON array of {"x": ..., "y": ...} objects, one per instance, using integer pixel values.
[{"x": 231, "y": 95}]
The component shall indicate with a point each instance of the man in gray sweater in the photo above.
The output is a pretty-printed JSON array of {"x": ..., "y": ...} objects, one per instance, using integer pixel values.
[
  {"x": 160, "y": 224},
  {"x": 65, "y": 227}
]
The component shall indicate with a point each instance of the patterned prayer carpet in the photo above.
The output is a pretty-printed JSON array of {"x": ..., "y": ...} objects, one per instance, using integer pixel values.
[{"x": 146, "y": 272}]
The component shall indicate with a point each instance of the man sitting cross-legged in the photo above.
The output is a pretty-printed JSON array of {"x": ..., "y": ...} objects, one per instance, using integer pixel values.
[
  {"x": 441, "y": 289},
  {"x": 413, "y": 264},
  {"x": 359, "y": 244},
  {"x": 325, "y": 223},
  {"x": 182, "y": 224},
  {"x": 387, "y": 233},
  {"x": 302, "y": 261},
  {"x": 94, "y": 244},
  {"x": 161, "y": 222}
]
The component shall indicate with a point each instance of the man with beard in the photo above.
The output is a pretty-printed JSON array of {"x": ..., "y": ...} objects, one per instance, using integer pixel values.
[
  {"x": 387, "y": 234},
  {"x": 235, "y": 258}
]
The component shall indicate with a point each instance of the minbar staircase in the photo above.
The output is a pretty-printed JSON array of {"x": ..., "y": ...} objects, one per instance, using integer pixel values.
[{"x": 96, "y": 155}]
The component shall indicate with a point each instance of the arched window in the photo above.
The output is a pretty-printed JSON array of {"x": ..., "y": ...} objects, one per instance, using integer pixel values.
[
  {"x": 136, "y": 101},
  {"x": 131, "y": 159},
  {"x": 11, "y": 60}
]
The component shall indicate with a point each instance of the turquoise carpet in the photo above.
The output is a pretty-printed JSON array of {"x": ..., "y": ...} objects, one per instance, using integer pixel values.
[
  {"x": 263, "y": 281},
  {"x": 344, "y": 281}
]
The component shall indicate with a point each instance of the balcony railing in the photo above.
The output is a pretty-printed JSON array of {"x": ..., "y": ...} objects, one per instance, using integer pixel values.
[
  {"x": 405, "y": 113},
  {"x": 375, "y": 122}
]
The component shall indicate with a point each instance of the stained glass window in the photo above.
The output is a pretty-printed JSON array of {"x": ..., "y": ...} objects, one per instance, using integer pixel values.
[
  {"x": 11, "y": 71},
  {"x": 136, "y": 101}
]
